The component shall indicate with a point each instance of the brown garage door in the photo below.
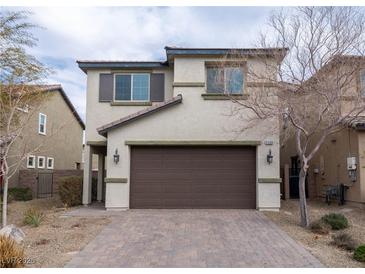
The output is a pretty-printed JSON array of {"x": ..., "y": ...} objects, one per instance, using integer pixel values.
[{"x": 193, "y": 177}]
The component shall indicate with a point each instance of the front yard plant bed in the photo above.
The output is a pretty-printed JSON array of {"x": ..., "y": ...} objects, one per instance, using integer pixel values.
[
  {"x": 321, "y": 245},
  {"x": 57, "y": 238}
]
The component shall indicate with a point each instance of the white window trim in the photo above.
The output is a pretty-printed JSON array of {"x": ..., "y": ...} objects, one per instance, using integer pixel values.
[
  {"x": 52, "y": 166},
  {"x": 44, "y": 161},
  {"x": 131, "y": 100},
  {"x": 45, "y": 124},
  {"x": 34, "y": 159}
]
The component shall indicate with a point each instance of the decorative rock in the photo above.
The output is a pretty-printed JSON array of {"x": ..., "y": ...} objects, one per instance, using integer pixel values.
[{"x": 13, "y": 232}]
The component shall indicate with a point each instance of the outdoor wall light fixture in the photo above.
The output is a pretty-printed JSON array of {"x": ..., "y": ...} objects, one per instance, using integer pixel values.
[
  {"x": 269, "y": 157},
  {"x": 116, "y": 156}
]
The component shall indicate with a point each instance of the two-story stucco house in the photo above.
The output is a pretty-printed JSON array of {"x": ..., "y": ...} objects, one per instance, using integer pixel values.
[
  {"x": 167, "y": 140},
  {"x": 54, "y": 135}
]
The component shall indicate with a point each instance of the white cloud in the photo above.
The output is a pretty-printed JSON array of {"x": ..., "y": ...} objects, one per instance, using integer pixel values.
[{"x": 127, "y": 33}]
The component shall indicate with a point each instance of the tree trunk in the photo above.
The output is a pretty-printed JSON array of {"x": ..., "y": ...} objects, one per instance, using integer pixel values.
[
  {"x": 5, "y": 200},
  {"x": 304, "y": 220}
]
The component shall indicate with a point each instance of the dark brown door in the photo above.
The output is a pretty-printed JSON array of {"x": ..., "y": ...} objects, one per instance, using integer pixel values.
[
  {"x": 193, "y": 177},
  {"x": 45, "y": 185}
]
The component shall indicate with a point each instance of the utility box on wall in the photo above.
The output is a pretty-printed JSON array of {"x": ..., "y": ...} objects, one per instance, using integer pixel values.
[{"x": 351, "y": 163}]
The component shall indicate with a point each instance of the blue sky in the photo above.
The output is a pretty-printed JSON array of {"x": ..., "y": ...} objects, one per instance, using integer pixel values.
[{"x": 127, "y": 33}]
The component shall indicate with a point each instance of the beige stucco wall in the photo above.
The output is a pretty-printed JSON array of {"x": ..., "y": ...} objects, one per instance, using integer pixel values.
[
  {"x": 195, "y": 119},
  {"x": 63, "y": 139},
  {"x": 331, "y": 161},
  {"x": 332, "y": 156},
  {"x": 101, "y": 113}
]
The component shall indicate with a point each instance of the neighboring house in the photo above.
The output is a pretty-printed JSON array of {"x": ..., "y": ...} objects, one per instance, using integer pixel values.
[
  {"x": 168, "y": 141},
  {"x": 57, "y": 130},
  {"x": 330, "y": 165}
]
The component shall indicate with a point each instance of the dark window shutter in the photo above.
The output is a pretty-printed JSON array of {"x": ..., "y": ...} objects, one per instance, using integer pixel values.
[
  {"x": 106, "y": 84},
  {"x": 157, "y": 87}
]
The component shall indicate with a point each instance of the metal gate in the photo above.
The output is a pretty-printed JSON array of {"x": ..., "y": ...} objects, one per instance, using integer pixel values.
[
  {"x": 294, "y": 183},
  {"x": 45, "y": 185}
]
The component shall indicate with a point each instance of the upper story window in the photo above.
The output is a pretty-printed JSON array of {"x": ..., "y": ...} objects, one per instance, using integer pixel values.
[
  {"x": 362, "y": 82},
  {"x": 132, "y": 87},
  {"x": 42, "y": 123},
  {"x": 228, "y": 79}
]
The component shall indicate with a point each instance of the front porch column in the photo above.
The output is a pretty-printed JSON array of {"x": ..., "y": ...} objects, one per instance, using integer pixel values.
[
  {"x": 87, "y": 184},
  {"x": 101, "y": 169}
]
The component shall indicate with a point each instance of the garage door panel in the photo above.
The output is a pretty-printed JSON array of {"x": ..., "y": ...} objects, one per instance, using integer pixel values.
[
  {"x": 219, "y": 177},
  {"x": 193, "y": 177},
  {"x": 148, "y": 188},
  {"x": 168, "y": 174}
]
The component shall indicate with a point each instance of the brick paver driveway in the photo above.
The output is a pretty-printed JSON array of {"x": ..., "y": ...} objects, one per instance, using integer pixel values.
[{"x": 193, "y": 238}]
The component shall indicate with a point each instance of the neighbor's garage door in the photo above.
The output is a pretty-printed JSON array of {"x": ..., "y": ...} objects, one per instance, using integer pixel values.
[{"x": 193, "y": 177}]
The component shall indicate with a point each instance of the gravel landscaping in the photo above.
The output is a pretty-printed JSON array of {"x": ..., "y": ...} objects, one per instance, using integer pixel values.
[
  {"x": 58, "y": 237},
  {"x": 320, "y": 245}
]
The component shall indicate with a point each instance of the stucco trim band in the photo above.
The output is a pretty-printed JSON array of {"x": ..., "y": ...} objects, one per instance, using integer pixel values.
[
  {"x": 131, "y": 103},
  {"x": 96, "y": 143},
  {"x": 261, "y": 84},
  {"x": 269, "y": 180},
  {"x": 217, "y": 96},
  {"x": 116, "y": 180},
  {"x": 191, "y": 143},
  {"x": 188, "y": 84}
]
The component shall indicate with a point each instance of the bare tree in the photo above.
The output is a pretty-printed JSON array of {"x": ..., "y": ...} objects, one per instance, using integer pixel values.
[
  {"x": 310, "y": 90},
  {"x": 20, "y": 94}
]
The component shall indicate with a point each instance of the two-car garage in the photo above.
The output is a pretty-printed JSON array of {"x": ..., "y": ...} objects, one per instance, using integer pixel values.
[{"x": 193, "y": 177}]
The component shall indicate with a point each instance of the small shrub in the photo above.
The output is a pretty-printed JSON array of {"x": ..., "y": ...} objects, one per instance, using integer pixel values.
[
  {"x": 344, "y": 241},
  {"x": 20, "y": 193},
  {"x": 70, "y": 190},
  {"x": 359, "y": 254},
  {"x": 320, "y": 227},
  {"x": 336, "y": 221},
  {"x": 11, "y": 254},
  {"x": 33, "y": 217}
]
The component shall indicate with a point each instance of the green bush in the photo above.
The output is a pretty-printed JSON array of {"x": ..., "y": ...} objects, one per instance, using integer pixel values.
[
  {"x": 33, "y": 217},
  {"x": 70, "y": 190},
  {"x": 359, "y": 254},
  {"x": 337, "y": 221},
  {"x": 20, "y": 193},
  {"x": 344, "y": 241},
  {"x": 320, "y": 227}
]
